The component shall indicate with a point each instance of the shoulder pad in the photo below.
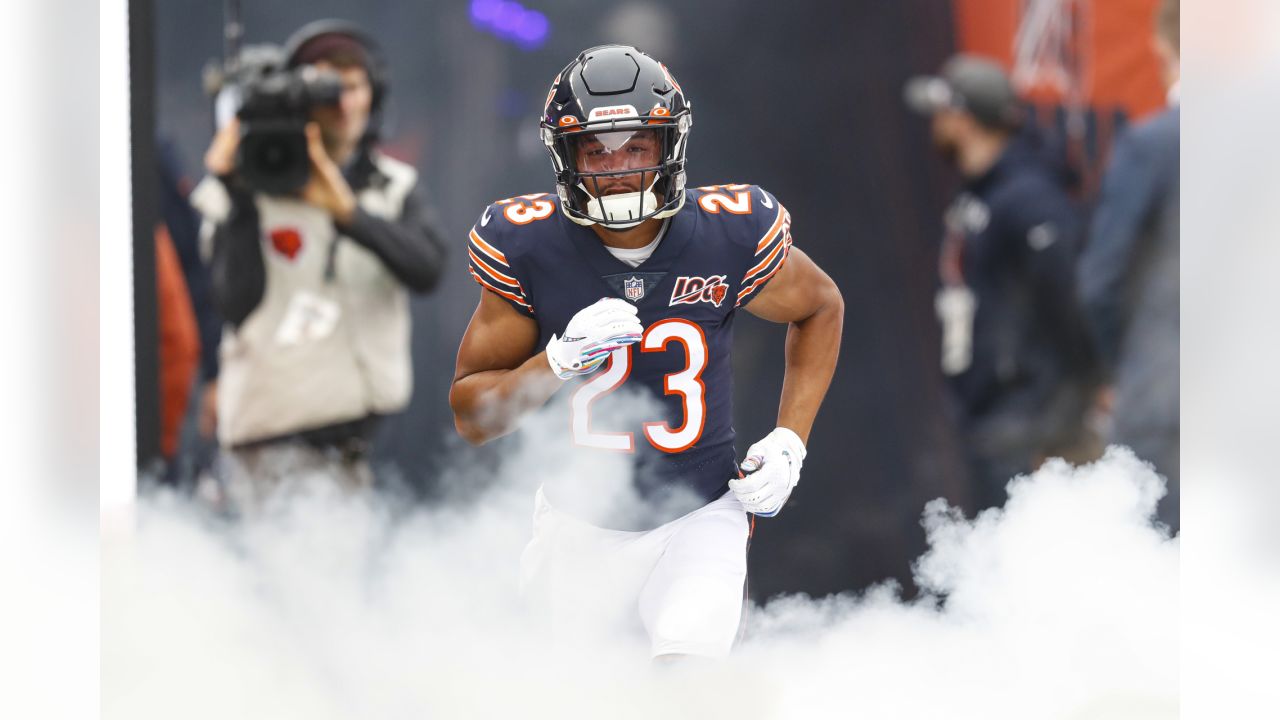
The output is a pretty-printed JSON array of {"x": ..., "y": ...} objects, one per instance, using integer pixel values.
[
  {"x": 747, "y": 206},
  {"x": 500, "y": 237},
  {"x": 521, "y": 211},
  {"x": 763, "y": 232}
]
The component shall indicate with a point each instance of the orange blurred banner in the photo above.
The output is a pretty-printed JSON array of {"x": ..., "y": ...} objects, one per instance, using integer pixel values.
[{"x": 1099, "y": 50}]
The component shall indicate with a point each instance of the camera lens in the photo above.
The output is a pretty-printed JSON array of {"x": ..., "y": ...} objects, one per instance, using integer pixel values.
[{"x": 275, "y": 157}]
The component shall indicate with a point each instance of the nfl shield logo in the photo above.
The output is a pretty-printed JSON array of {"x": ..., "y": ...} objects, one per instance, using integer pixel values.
[{"x": 633, "y": 288}]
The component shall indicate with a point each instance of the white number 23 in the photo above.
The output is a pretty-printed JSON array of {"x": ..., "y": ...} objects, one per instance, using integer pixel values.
[{"x": 686, "y": 383}]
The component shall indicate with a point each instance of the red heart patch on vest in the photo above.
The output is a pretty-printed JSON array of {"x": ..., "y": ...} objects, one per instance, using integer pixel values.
[{"x": 286, "y": 241}]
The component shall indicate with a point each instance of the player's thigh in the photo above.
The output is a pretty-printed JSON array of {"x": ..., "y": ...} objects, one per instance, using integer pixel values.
[
  {"x": 571, "y": 564},
  {"x": 692, "y": 602}
]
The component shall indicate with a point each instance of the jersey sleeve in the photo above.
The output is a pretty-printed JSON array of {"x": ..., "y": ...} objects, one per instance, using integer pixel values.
[
  {"x": 490, "y": 266},
  {"x": 772, "y": 245}
]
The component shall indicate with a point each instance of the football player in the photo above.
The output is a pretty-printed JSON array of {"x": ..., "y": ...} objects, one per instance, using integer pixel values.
[{"x": 626, "y": 280}]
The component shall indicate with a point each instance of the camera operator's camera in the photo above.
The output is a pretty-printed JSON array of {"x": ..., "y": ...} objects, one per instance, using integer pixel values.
[
  {"x": 275, "y": 107},
  {"x": 274, "y": 104}
]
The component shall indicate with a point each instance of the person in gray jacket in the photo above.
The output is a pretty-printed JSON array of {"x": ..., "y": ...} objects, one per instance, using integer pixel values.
[
  {"x": 1129, "y": 280},
  {"x": 314, "y": 286}
]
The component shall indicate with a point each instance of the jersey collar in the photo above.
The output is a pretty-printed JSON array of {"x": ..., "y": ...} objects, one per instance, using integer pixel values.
[{"x": 680, "y": 231}]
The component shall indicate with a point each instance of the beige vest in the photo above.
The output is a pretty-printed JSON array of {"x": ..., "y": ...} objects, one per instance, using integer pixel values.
[{"x": 316, "y": 350}]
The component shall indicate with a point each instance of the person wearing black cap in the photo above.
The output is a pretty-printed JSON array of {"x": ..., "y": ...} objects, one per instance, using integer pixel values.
[
  {"x": 1015, "y": 350},
  {"x": 314, "y": 286}
]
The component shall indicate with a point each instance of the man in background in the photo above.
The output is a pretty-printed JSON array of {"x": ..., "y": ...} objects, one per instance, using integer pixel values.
[
  {"x": 1015, "y": 350},
  {"x": 1129, "y": 279},
  {"x": 314, "y": 283}
]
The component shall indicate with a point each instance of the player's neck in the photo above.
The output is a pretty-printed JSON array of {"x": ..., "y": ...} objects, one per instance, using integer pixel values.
[{"x": 631, "y": 238}]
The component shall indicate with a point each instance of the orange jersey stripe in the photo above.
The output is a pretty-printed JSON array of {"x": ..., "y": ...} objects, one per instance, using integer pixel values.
[
  {"x": 773, "y": 230},
  {"x": 488, "y": 249},
  {"x": 502, "y": 293},
  {"x": 749, "y": 291},
  {"x": 765, "y": 262},
  {"x": 500, "y": 276}
]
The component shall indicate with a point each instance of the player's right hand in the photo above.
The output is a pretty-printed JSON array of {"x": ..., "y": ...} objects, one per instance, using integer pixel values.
[{"x": 593, "y": 333}]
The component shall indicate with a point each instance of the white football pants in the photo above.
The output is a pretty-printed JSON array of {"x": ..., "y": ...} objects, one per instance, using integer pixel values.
[{"x": 681, "y": 583}]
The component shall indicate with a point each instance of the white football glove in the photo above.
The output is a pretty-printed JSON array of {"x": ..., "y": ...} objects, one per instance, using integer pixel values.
[
  {"x": 772, "y": 469},
  {"x": 594, "y": 332}
]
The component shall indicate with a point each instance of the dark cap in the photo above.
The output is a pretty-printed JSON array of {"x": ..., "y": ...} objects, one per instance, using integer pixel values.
[
  {"x": 330, "y": 45},
  {"x": 967, "y": 82},
  {"x": 331, "y": 38}
]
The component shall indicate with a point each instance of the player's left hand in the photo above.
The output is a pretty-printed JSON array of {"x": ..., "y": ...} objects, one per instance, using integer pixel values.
[
  {"x": 326, "y": 188},
  {"x": 771, "y": 471}
]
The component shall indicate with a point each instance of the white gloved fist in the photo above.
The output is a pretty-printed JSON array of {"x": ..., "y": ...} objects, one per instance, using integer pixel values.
[
  {"x": 771, "y": 470},
  {"x": 594, "y": 332}
]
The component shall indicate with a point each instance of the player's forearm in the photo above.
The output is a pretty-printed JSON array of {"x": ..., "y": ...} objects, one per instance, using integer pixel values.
[
  {"x": 813, "y": 346},
  {"x": 489, "y": 404}
]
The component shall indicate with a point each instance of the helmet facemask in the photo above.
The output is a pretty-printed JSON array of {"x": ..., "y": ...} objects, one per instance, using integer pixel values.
[{"x": 619, "y": 173}]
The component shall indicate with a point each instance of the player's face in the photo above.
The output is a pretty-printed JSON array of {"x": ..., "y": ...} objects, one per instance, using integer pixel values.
[
  {"x": 343, "y": 125},
  {"x": 615, "y": 151}
]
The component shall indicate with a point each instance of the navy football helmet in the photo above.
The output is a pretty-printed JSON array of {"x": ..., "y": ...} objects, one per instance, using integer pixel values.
[{"x": 608, "y": 96}]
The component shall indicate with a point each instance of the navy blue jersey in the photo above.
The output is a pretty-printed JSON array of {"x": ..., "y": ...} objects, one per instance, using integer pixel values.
[{"x": 717, "y": 253}]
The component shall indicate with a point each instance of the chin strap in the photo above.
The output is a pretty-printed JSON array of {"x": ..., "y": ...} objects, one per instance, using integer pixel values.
[{"x": 619, "y": 211}]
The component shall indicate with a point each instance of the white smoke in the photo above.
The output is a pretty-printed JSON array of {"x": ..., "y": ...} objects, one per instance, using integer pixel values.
[{"x": 1061, "y": 605}]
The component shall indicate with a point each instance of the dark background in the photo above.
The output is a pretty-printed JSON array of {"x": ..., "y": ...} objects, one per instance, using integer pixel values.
[{"x": 803, "y": 98}]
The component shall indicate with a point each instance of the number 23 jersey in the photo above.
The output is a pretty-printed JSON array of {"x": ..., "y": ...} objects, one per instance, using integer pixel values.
[{"x": 717, "y": 253}]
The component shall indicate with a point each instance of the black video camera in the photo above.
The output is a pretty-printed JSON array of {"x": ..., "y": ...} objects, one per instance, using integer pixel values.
[{"x": 274, "y": 104}]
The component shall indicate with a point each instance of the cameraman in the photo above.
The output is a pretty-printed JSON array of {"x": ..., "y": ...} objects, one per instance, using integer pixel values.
[{"x": 313, "y": 285}]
